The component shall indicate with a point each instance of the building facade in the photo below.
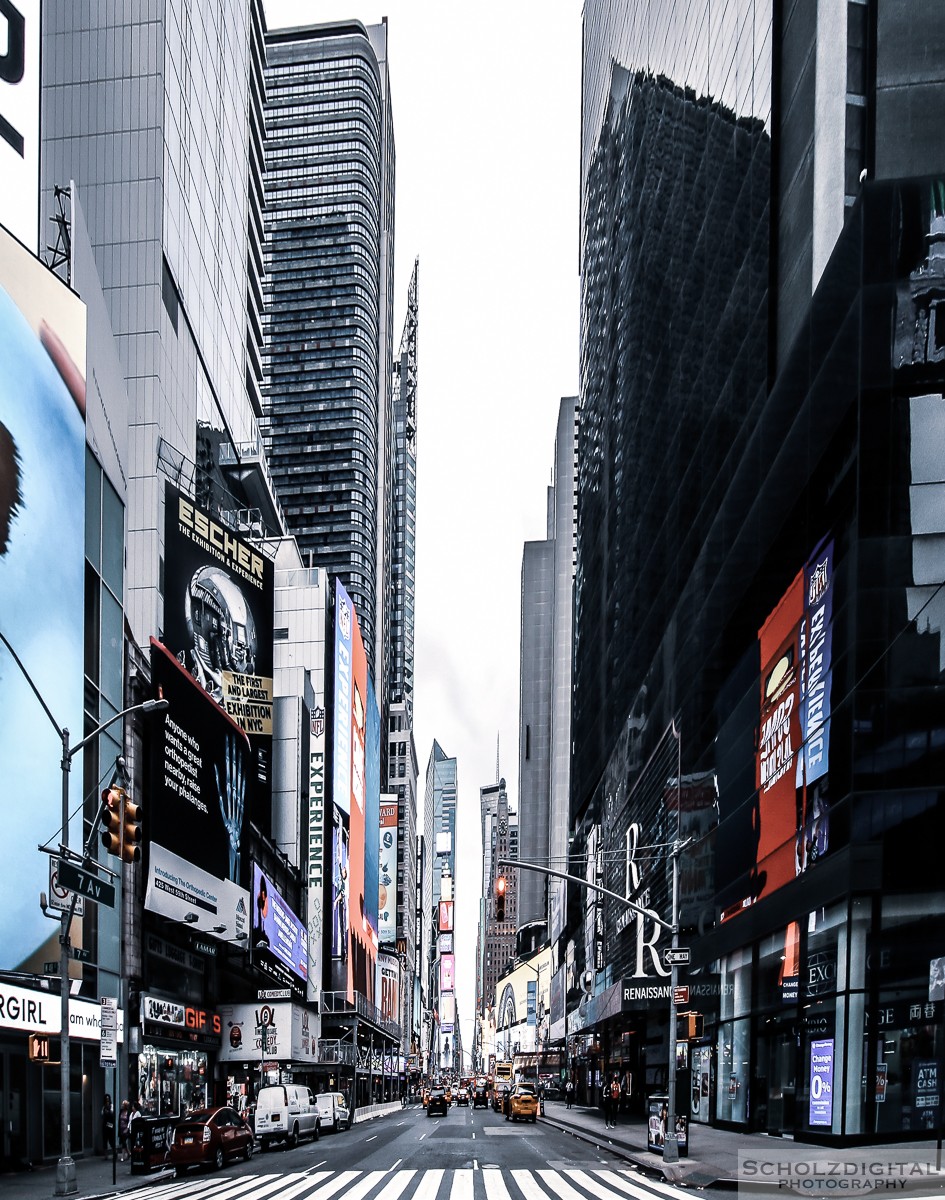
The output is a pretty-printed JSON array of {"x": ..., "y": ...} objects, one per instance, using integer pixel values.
[
  {"x": 756, "y": 594},
  {"x": 328, "y": 303}
]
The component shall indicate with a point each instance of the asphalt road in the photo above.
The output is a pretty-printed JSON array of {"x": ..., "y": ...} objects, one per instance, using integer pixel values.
[{"x": 470, "y": 1154}]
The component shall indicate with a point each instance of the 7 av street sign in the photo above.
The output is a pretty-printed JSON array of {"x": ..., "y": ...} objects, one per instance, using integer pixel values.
[
  {"x": 676, "y": 958},
  {"x": 86, "y": 884}
]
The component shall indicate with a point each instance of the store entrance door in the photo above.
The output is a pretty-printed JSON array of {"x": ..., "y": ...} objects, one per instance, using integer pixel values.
[
  {"x": 775, "y": 1080},
  {"x": 13, "y": 1148}
]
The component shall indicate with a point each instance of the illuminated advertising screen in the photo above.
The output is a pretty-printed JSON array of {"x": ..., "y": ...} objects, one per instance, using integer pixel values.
[
  {"x": 447, "y": 972},
  {"x": 791, "y": 761},
  {"x": 318, "y": 842},
  {"x": 278, "y": 940},
  {"x": 388, "y": 970},
  {"x": 387, "y": 870},
  {"x": 447, "y": 1012},
  {"x": 372, "y": 812},
  {"x": 19, "y": 120},
  {"x": 196, "y": 818},
  {"x": 218, "y": 606},
  {"x": 446, "y": 916},
  {"x": 42, "y": 572}
]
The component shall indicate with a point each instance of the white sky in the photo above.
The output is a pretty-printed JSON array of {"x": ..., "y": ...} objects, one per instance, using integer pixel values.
[{"x": 486, "y": 103}]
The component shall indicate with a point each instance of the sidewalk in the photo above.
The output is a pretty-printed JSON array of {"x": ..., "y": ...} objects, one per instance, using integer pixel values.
[
  {"x": 93, "y": 1175},
  {"x": 713, "y": 1157}
]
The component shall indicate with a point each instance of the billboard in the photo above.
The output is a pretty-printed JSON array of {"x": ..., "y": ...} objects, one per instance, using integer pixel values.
[
  {"x": 339, "y": 889},
  {"x": 792, "y": 756},
  {"x": 218, "y": 613},
  {"x": 349, "y": 793},
  {"x": 279, "y": 941},
  {"x": 388, "y": 970},
  {"x": 387, "y": 870},
  {"x": 372, "y": 812},
  {"x": 447, "y": 972},
  {"x": 19, "y": 120},
  {"x": 286, "y": 1032},
  {"x": 201, "y": 784},
  {"x": 317, "y": 839},
  {"x": 446, "y": 916},
  {"x": 42, "y": 565},
  {"x": 447, "y": 1012}
]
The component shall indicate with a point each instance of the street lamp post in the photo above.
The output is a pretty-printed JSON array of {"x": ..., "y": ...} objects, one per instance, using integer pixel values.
[{"x": 66, "y": 1183}]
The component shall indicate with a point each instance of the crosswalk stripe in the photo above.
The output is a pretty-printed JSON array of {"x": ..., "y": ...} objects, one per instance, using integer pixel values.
[
  {"x": 262, "y": 1187},
  {"x": 364, "y": 1185},
  {"x": 429, "y": 1185},
  {"x": 175, "y": 1187},
  {"x": 593, "y": 1184},
  {"x": 462, "y": 1188},
  {"x": 494, "y": 1185},
  {"x": 396, "y": 1185},
  {"x": 559, "y": 1185},
  {"x": 334, "y": 1185},
  {"x": 527, "y": 1186},
  {"x": 635, "y": 1186},
  {"x": 300, "y": 1186}
]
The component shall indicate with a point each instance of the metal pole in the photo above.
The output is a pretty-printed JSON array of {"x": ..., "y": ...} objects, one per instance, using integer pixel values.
[
  {"x": 670, "y": 1144},
  {"x": 66, "y": 1184}
]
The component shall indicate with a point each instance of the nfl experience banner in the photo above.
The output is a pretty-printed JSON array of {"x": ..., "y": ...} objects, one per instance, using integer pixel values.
[
  {"x": 218, "y": 613},
  {"x": 201, "y": 790}
]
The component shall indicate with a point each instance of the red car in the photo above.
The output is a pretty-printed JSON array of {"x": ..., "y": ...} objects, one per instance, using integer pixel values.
[{"x": 210, "y": 1137}]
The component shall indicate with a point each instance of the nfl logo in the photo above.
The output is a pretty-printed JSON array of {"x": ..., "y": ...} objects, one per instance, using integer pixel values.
[
  {"x": 818, "y": 583},
  {"x": 318, "y": 722}
]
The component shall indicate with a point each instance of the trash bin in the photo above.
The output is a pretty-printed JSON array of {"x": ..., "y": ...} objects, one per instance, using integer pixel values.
[
  {"x": 656, "y": 1126},
  {"x": 150, "y": 1140}
]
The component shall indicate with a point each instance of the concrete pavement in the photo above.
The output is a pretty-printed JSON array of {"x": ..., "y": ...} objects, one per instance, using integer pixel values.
[{"x": 714, "y": 1154}]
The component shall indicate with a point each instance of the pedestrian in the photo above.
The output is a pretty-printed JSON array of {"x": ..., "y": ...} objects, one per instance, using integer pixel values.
[
  {"x": 124, "y": 1126},
  {"x": 611, "y": 1102},
  {"x": 568, "y": 1094},
  {"x": 108, "y": 1127}
]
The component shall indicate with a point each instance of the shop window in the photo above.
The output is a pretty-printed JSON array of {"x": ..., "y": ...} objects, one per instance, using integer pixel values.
[{"x": 732, "y": 1053}]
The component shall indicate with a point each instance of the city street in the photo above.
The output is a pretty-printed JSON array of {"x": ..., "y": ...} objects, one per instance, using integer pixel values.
[{"x": 467, "y": 1155}]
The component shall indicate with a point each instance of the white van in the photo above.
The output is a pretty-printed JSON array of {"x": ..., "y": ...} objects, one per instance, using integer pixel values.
[
  {"x": 333, "y": 1111},
  {"x": 286, "y": 1113}
]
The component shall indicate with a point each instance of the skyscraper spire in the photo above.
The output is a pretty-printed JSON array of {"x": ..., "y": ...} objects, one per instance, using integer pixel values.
[{"x": 497, "y": 755}]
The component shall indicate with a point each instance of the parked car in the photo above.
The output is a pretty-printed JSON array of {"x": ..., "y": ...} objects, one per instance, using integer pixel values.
[
  {"x": 462, "y": 1096},
  {"x": 499, "y": 1092},
  {"x": 522, "y": 1102},
  {"x": 333, "y": 1111},
  {"x": 209, "y": 1137},
  {"x": 480, "y": 1096},
  {"x": 437, "y": 1102},
  {"x": 286, "y": 1113}
]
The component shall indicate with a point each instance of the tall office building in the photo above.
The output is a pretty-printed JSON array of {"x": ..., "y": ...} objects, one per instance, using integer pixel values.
[
  {"x": 403, "y": 558},
  {"x": 545, "y": 685},
  {"x": 757, "y": 623},
  {"x": 328, "y": 303},
  {"x": 498, "y": 919}
]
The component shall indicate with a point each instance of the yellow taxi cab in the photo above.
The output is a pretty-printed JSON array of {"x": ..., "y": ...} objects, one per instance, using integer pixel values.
[
  {"x": 426, "y": 1096},
  {"x": 449, "y": 1093},
  {"x": 522, "y": 1101}
]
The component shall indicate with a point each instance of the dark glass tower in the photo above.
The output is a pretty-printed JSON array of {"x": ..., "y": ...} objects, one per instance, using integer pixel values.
[{"x": 329, "y": 267}]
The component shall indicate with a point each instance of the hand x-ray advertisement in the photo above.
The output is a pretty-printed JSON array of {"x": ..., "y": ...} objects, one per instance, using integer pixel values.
[
  {"x": 218, "y": 603},
  {"x": 201, "y": 792}
]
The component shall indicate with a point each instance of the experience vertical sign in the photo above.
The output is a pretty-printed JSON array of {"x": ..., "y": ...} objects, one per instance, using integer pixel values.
[{"x": 316, "y": 850}]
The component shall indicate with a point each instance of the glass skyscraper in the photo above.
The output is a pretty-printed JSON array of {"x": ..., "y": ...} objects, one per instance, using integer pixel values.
[{"x": 329, "y": 282}]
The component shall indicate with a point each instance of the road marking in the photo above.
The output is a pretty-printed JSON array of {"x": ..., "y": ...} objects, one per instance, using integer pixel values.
[
  {"x": 474, "y": 1135},
  {"x": 462, "y": 1188},
  {"x": 315, "y": 1166},
  {"x": 396, "y": 1185},
  {"x": 638, "y": 1187},
  {"x": 527, "y": 1186},
  {"x": 334, "y": 1185},
  {"x": 559, "y": 1185},
  {"x": 594, "y": 1184},
  {"x": 495, "y": 1185},
  {"x": 364, "y": 1185},
  {"x": 372, "y": 1138},
  {"x": 475, "y": 1164},
  {"x": 429, "y": 1185},
  {"x": 421, "y": 1137},
  {"x": 296, "y": 1189}
]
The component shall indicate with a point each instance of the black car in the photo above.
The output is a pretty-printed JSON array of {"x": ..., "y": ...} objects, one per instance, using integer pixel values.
[
  {"x": 437, "y": 1102},
  {"x": 480, "y": 1096},
  {"x": 499, "y": 1092}
]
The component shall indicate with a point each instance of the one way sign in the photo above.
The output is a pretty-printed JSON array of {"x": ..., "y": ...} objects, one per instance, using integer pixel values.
[{"x": 678, "y": 957}]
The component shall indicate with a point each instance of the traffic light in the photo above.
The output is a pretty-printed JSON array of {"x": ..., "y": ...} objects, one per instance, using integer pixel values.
[
  {"x": 690, "y": 1027},
  {"x": 39, "y": 1047},
  {"x": 500, "y": 898},
  {"x": 131, "y": 830},
  {"x": 112, "y": 819}
]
